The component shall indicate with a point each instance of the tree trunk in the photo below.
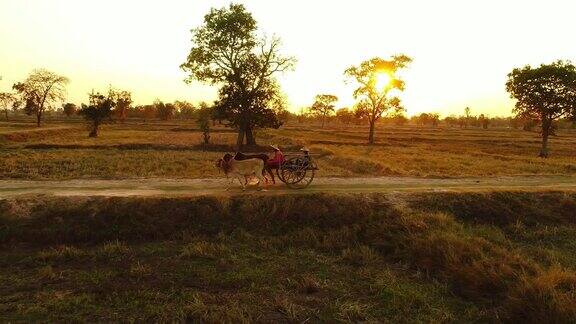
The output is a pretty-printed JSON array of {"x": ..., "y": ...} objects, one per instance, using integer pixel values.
[
  {"x": 323, "y": 120},
  {"x": 94, "y": 131},
  {"x": 240, "y": 139},
  {"x": 6, "y": 113},
  {"x": 546, "y": 125},
  {"x": 38, "y": 118},
  {"x": 250, "y": 140},
  {"x": 371, "y": 134},
  {"x": 544, "y": 149}
]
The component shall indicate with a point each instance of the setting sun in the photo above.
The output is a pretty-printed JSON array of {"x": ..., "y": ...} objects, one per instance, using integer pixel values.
[
  {"x": 215, "y": 161},
  {"x": 382, "y": 80}
]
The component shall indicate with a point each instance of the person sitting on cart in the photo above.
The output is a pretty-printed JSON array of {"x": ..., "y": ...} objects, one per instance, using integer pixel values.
[
  {"x": 306, "y": 152},
  {"x": 277, "y": 160}
]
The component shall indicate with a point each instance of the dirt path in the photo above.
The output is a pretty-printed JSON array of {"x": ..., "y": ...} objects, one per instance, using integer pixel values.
[{"x": 195, "y": 187}]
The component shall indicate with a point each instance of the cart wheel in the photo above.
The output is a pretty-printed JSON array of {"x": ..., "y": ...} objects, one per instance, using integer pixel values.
[
  {"x": 304, "y": 181},
  {"x": 297, "y": 173}
]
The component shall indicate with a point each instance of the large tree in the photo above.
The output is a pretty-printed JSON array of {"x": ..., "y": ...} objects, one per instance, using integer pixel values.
[
  {"x": 377, "y": 81},
  {"x": 7, "y": 100},
  {"x": 544, "y": 94},
  {"x": 324, "y": 106},
  {"x": 41, "y": 91},
  {"x": 227, "y": 52}
]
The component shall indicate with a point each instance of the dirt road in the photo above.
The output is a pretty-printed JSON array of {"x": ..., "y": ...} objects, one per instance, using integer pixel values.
[{"x": 195, "y": 187}]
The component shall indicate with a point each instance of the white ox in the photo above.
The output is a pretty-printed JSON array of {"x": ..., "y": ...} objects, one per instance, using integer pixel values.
[{"x": 241, "y": 170}]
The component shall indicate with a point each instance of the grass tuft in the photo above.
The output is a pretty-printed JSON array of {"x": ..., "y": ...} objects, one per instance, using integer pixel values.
[
  {"x": 360, "y": 256},
  {"x": 353, "y": 312},
  {"x": 62, "y": 253},
  {"x": 548, "y": 297},
  {"x": 203, "y": 249}
]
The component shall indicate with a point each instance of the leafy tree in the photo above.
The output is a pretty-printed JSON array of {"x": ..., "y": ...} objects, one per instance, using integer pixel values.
[
  {"x": 69, "y": 109},
  {"x": 284, "y": 116},
  {"x": 323, "y": 106},
  {"x": 345, "y": 116},
  {"x": 227, "y": 52},
  {"x": 148, "y": 112},
  {"x": 435, "y": 119},
  {"x": 451, "y": 120},
  {"x": 376, "y": 97},
  {"x": 431, "y": 119},
  {"x": 123, "y": 100},
  {"x": 484, "y": 121},
  {"x": 97, "y": 112},
  {"x": 214, "y": 114},
  {"x": 302, "y": 115},
  {"x": 362, "y": 111},
  {"x": 184, "y": 109},
  {"x": 7, "y": 99},
  {"x": 40, "y": 91},
  {"x": 399, "y": 119},
  {"x": 164, "y": 111},
  {"x": 467, "y": 117},
  {"x": 544, "y": 94}
]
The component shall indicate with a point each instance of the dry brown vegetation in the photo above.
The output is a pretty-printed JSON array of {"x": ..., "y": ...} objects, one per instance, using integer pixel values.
[
  {"x": 433, "y": 257},
  {"x": 173, "y": 149}
]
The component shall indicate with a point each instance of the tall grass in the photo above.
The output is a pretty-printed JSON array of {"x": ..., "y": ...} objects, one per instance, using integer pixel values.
[{"x": 307, "y": 257}]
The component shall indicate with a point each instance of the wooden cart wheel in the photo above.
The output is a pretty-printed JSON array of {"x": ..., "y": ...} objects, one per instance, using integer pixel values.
[
  {"x": 305, "y": 180},
  {"x": 297, "y": 172}
]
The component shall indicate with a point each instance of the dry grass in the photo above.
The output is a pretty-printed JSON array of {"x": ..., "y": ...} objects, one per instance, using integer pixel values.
[
  {"x": 173, "y": 150},
  {"x": 433, "y": 257}
]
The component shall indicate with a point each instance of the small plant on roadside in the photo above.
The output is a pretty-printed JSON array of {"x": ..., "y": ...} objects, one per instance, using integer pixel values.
[{"x": 204, "y": 116}]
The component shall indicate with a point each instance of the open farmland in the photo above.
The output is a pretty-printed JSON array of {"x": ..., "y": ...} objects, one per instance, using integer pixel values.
[{"x": 174, "y": 150}]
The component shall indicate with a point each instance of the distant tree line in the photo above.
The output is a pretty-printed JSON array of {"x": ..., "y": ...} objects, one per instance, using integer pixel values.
[{"x": 345, "y": 116}]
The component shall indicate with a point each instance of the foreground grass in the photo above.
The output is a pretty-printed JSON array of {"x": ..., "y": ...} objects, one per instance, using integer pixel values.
[
  {"x": 399, "y": 258},
  {"x": 173, "y": 150}
]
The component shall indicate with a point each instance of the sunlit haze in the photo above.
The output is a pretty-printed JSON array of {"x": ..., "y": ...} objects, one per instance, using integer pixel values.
[{"x": 462, "y": 50}]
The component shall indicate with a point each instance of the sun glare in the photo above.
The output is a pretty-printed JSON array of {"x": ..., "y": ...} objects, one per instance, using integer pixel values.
[{"x": 382, "y": 80}]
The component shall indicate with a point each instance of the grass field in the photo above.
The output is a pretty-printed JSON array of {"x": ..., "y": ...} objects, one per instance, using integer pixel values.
[
  {"x": 173, "y": 150},
  {"x": 452, "y": 257},
  {"x": 315, "y": 257}
]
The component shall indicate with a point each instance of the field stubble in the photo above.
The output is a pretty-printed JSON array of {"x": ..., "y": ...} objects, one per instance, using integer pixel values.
[{"x": 174, "y": 150}]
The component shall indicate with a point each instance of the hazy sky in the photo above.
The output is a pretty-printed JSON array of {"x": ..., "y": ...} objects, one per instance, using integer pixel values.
[{"x": 462, "y": 49}]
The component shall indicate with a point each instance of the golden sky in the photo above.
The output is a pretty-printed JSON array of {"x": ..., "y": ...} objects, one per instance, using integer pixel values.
[{"x": 462, "y": 49}]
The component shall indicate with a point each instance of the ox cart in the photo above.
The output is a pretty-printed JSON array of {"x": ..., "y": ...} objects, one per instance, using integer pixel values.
[{"x": 298, "y": 170}]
